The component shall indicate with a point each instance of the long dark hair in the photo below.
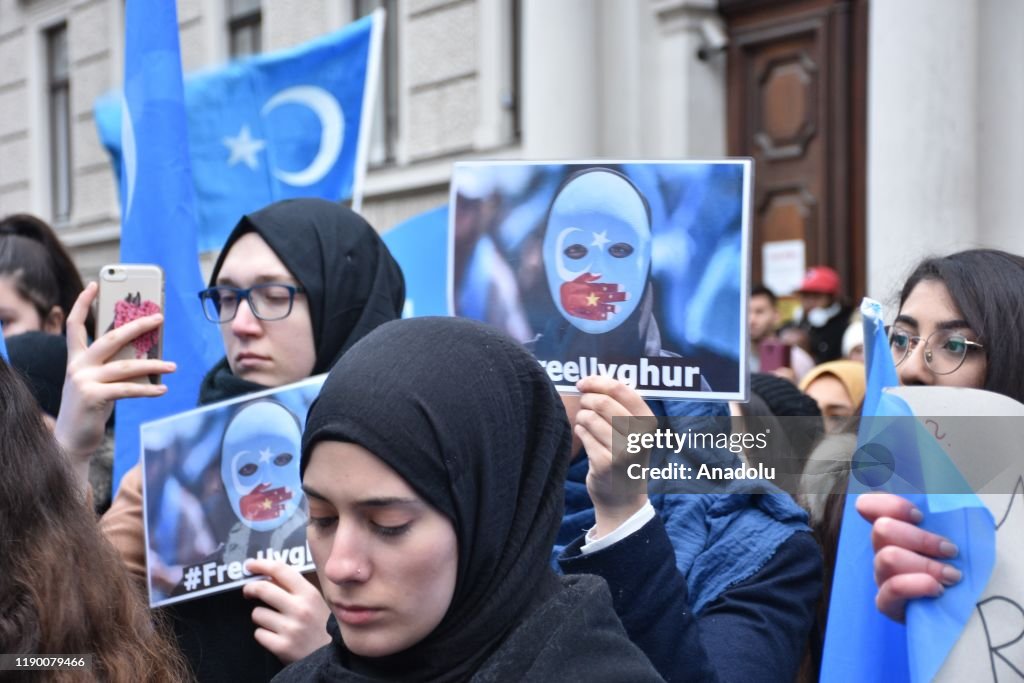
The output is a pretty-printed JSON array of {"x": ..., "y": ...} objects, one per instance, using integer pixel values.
[
  {"x": 43, "y": 270},
  {"x": 987, "y": 286},
  {"x": 63, "y": 589}
]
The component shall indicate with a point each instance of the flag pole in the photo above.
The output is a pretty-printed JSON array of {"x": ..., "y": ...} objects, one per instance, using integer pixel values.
[{"x": 369, "y": 102}]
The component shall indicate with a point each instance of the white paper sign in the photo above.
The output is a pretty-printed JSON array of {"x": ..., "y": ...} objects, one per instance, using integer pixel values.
[{"x": 783, "y": 265}]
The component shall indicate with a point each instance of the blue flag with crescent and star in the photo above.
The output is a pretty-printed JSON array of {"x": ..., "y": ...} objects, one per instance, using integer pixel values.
[{"x": 277, "y": 125}]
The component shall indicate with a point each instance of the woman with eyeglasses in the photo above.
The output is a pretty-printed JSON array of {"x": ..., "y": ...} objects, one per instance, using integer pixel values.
[
  {"x": 314, "y": 278},
  {"x": 960, "y": 324}
]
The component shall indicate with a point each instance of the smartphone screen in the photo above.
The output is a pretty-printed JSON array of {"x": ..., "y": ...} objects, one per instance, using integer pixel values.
[{"x": 774, "y": 354}]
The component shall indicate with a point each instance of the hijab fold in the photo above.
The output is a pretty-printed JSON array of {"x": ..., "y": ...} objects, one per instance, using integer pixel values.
[{"x": 469, "y": 419}]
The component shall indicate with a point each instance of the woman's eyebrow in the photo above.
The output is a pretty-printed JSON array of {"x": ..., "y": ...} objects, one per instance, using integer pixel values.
[
  {"x": 383, "y": 501},
  {"x": 956, "y": 324},
  {"x": 388, "y": 501},
  {"x": 279, "y": 278},
  {"x": 312, "y": 493},
  {"x": 906, "y": 320}
]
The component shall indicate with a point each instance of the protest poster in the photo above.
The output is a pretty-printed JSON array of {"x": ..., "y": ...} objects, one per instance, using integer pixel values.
[
  {"x": 635, "y": 270},
  {"x": 221, "y": 485}
]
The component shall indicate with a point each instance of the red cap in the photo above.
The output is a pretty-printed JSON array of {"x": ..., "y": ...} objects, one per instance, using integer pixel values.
[{"x": 820, "y": 280}]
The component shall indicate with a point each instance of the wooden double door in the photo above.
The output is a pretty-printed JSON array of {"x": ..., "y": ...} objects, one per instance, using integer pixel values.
[{"x": 796, "y": 81}]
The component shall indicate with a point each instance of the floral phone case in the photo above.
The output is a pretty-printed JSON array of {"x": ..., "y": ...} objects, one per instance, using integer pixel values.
[{"x": 129, "y": 291}]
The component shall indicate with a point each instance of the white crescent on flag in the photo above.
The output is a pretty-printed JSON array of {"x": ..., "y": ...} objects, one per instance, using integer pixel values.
[{"x": 332, "y": 122}]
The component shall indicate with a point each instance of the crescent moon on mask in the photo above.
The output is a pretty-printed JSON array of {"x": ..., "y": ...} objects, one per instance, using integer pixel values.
[
  {"x": 239, "y": 488},
  {"x": 332, "y": 122},
  {"x": 566, "y": 274}
]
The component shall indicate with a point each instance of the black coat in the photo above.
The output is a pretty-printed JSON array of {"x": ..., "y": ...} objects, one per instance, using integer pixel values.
[{"x": 574, "y": 635}]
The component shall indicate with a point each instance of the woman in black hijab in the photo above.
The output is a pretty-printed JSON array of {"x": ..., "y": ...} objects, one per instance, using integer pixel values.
[
  {"x": 348, "y": 277},
  {"x": 345, "y": 283},
  {"x": 433, "y": 461}
]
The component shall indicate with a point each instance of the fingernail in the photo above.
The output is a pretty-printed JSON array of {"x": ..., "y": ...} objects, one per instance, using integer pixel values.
[
  {"x": 170, "y": 365},
  {"x": 948, "y": 549},
  {"x": 940, "y": 592},
  {"x": 951, "y": 575},
  {"x": 916, "y": 516}
]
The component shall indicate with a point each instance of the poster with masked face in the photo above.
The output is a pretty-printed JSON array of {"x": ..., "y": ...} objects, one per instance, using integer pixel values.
[
  {"x": 221, "y": 486},
  {"x": 634, "y": 270}
]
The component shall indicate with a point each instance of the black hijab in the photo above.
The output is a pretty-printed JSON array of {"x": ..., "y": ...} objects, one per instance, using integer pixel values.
[
  {"x": 469, "y": 419},
  {"x": 352, "y": 282}
]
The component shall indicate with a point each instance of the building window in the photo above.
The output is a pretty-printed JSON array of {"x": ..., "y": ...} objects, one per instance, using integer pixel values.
[
  {"x": 384, "y": 129},
  {"x": 59, "y": 104},
  {"x": 245, "y": 21}
]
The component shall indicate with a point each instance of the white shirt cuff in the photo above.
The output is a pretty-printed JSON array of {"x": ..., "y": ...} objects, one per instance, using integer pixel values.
[{"x": 627, "y": 528}]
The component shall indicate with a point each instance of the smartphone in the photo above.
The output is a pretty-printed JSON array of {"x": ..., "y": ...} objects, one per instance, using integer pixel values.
[
  {"x": 774, "y": 354},
  {"x": 129, "y": 291}
]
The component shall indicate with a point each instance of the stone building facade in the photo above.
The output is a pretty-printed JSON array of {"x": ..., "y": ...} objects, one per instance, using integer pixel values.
[{"x": 546, "y": 79}]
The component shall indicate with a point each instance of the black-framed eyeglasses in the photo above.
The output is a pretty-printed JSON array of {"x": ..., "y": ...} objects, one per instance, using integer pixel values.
[
  {"x": 944, "y": 350},
  {"x": 270, "y": 301}
]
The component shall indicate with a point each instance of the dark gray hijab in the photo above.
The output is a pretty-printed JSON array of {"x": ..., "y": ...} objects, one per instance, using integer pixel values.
[{"x": 470, "y": 420}]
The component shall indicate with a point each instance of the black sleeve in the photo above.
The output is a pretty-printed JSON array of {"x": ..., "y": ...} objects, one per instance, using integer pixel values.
[{"x": 756, "y": 630}]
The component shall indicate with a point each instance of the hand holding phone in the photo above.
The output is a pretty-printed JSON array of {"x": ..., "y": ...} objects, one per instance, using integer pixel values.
[{"x": 93, "y": 384}]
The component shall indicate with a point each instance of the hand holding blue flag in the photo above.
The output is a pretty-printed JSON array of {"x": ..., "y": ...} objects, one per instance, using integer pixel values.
[{"x": 862, "y": 644}]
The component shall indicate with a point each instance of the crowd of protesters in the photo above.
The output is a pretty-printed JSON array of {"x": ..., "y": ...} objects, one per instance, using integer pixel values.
[{"x": 467, "y": 522}]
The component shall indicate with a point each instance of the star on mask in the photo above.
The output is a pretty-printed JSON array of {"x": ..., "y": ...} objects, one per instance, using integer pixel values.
[
  {"x": 592, "y": 299},
  {"x": 600, "y": 239}
]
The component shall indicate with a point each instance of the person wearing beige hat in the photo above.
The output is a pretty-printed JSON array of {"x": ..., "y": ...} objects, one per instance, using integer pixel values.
[{"x": 838, "y": 386}]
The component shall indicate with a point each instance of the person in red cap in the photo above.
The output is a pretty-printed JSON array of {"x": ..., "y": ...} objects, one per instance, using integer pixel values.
[{"x": 822, "y": 314}]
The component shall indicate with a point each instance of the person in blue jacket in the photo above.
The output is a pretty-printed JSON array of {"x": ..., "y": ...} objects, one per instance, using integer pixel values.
[{"x": 712, "y": 587}]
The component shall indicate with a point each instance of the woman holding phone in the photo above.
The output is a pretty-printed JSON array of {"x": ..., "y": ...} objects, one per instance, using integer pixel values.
[{"x": 296, "y": 284}]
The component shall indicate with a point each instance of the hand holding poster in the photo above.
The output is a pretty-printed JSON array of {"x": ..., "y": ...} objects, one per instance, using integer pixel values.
[
  {"x": 636, "y": 271},
  {"x": 221, "y": 487}
]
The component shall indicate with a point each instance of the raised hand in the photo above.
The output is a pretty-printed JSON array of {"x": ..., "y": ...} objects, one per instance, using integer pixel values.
[
  {"x": 92, "y": 385},
  {"x": 616, "y": 497},
  {"x": 292, "y": 622},
  {"x": 905, "y": 565}
]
